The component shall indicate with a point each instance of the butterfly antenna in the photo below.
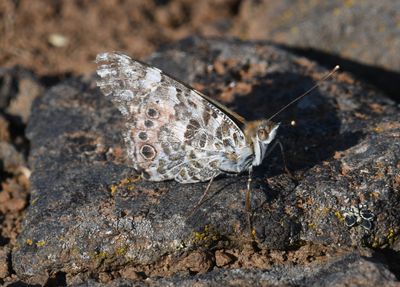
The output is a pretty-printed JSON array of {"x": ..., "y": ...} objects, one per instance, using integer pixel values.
[{"x": 334, "y": 70}]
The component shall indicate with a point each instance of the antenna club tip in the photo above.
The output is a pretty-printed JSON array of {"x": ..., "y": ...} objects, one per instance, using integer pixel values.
[{"x": 337, "y": 67}]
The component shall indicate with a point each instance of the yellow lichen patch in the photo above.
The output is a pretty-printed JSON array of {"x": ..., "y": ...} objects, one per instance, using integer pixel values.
[
  {"x": 294, "y": 30},
  {"x": 391, "y": 237},
  {"x": 33, "y": 201},
  {"x": 120, "y": 251},
  {"x": 200, "y": 236},
  {"x": 124, "y": 182},
  {"x": 40, "y": 243},
  {"x": 113, "y": 189},
  {"x": 375, "y": 243},
  {"x": 323, "y": 211},
  {"x": 339, "y": 216},
  {"x": 287, "y": 15},
  {"x": 336, "y": 12},
  {"x": 391, "y": 233},
  {"x": 102, "y": 255},
  {"x": 29, "y": 241},
  {"x": 74, "y": 251},
  {"x": 206, "y": 235},
  {"x": 311, "y": 225},
  {"x": 349, "y": 3},
  {"x": 135, "y": 179}
]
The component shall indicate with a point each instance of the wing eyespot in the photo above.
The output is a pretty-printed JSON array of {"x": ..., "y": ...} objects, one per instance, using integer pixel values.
[
  {"x": 148, "y": 152},
  {"x": 152, "y": 113},
  {"x": 143, "y": 136},
  {"x": 148, "y": 123}
]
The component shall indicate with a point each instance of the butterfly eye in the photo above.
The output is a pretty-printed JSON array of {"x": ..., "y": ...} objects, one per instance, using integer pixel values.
[{"x": 262, "y": 134}]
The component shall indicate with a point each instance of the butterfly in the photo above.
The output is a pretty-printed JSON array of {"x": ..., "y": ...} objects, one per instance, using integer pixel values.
[{"x": 173, "y": 132}]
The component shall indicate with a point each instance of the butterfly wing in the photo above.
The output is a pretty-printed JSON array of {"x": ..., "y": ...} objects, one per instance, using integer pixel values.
[{"x": 172, "y": 131}]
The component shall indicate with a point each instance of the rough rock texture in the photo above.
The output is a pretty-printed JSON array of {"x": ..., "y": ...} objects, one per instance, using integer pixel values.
[
  {"x": 361, "y": 36},
  {"x": 364, "y": 31},
  {"x": 91, "y": 217},
  {"x": 347, "y": 270},
  {"x": 18, "y": 88}
]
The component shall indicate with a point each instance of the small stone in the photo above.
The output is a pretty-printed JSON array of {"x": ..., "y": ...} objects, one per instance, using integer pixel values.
[
  {"x": 4, "y": 133},
  {"x": 105, "y": 277},
  {"x": 4, "y": 262},
  {"x": 219, "y": 67},
  {"x": 58, "y": 40},
  {"x": 130, "y": 273},
  {"x": 222, "y": 258},
  {"x": 197, "y": 262}
]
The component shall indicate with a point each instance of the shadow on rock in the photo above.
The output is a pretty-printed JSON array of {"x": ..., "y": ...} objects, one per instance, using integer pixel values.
[
  {"x": 316, "y": 135},
  {"x": 385, "y": 80}
]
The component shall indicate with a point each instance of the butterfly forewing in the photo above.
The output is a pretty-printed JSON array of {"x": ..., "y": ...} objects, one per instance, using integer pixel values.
[{"x": 171, "y": 131}]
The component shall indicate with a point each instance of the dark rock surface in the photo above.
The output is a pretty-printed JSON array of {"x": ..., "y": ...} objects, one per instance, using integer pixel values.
[{"x": 90, "y": 217}]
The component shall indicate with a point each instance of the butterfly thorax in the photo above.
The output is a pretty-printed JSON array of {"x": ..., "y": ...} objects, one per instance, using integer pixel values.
[{"x": 259, "y": 134}]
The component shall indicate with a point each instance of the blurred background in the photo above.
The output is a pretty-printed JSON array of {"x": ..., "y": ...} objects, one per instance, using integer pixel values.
[{"x": 63, "y": 36}]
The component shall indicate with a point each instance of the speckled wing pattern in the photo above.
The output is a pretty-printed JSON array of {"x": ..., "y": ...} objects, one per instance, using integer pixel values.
[{"x": 171, "y": 130}]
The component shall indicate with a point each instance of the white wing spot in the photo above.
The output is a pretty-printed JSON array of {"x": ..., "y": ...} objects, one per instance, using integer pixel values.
[
  {"x": 152, "y": 77},
  {"x": 129, "y": 73},
  {"x": 126, "y": 95},
  {"x": 172, "y": 92},
  {"x": 123, "y": 59},
  {"x": 105, "y": 71},
  {"x": 123, "y": 110}
]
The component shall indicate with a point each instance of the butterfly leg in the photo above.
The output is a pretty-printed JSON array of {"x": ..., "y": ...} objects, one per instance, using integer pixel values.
[
  {"x": 202, "y": 197},
  {"x": 278, "y": 142},
  {"x": 248, "y": 191},
  {"x": 248, "y": 198}
]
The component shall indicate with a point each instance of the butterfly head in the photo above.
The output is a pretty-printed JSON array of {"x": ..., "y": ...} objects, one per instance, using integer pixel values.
[{"x": 260, "y": 134}]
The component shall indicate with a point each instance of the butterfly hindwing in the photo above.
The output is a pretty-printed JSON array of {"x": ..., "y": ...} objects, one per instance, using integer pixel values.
[{"x": 172, "y": 131}]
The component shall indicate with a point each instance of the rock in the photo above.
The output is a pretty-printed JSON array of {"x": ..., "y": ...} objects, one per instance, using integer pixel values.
[
  {"x": 11, "y": 160},
  {"x": 222, "y": 258},
  {"x": 89, "y": 213},
  {"x": 19, "y": 87},
  {"x": 346, "y": 270},
  {"x": 16, "y": 87},
  {"x": 4, "y": 132},
  {"x": 358, "y": 35},
  {"x": 348, "y": 28},
  {"x": 4, "y": 262}
]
